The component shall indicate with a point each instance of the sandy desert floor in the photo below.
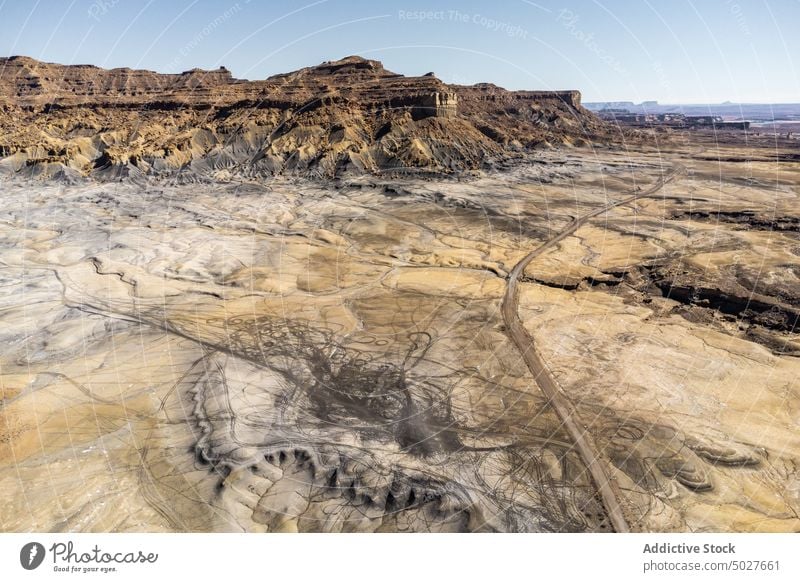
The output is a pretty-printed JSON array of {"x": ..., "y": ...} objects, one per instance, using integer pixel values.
[{"x": 300, "y": 356}]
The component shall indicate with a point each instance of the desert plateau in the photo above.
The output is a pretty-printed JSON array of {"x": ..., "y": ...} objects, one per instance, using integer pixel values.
[{"x": 342, "y": 299}]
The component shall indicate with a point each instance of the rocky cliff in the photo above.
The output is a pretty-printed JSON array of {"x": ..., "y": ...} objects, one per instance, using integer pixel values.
[{"x": 350, "y": 115}]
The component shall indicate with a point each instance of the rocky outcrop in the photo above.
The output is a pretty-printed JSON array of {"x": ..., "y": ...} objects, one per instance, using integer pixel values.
[
  {"x": 345, "y": 116},
  {"x": 437, "y": 105}
]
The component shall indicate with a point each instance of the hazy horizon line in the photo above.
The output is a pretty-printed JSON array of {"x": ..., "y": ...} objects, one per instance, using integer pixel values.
[{"x": 584, "y": 99}]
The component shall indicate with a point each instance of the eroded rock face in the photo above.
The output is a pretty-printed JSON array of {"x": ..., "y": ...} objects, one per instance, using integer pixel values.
[
  {"x": 340, "y": 117},
  {"x": 437, "y": 105}
]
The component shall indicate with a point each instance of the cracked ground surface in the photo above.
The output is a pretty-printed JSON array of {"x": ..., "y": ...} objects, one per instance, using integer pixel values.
[{"x": 307, "y": 356}]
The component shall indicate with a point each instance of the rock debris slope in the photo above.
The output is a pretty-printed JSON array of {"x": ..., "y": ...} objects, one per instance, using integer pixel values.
[{"x": 346, "y": 116}]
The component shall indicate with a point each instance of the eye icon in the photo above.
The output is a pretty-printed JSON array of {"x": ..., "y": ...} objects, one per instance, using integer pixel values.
[{"x": 31, "y": 555}]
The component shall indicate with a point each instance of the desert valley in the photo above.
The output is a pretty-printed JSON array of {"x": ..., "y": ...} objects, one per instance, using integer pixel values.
[{"x": 341, "y": 299}]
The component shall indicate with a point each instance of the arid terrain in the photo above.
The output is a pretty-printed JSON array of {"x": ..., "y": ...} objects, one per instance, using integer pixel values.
[
  {"x": 503, "y": 315},
  {"x": 350, "y": 116}
]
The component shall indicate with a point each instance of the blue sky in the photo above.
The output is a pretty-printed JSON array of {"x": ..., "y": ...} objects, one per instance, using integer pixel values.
[{"x": 677, "y": 51}]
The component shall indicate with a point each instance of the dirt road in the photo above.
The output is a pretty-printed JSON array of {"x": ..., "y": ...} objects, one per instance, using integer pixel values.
[{"x": 584, "y": 443}]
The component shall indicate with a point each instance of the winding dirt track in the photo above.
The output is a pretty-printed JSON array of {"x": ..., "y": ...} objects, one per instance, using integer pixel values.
[{"x": 584, "y": 443}]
